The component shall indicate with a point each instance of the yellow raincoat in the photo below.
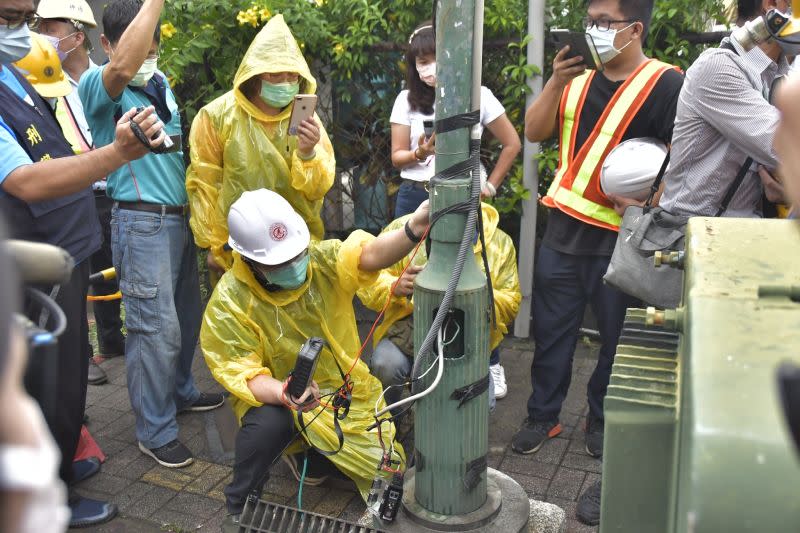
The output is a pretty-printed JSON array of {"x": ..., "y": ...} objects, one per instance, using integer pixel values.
[
  {"x": 235, "y": 147},
  {"x": 249, "y": 331},
  {"x": 502, "y": 265}
]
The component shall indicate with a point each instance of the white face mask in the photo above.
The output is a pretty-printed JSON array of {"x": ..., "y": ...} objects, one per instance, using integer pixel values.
[
  {"x": 145, "y": 72},
  {"x": 427, "y": 73},
  {"x": 604, "y": 42}
]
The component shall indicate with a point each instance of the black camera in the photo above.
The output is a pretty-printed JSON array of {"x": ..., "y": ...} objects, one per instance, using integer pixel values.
[{"x": 169, "y": 144}]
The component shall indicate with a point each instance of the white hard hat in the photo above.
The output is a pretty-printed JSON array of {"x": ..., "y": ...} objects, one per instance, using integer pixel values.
[
  {"x": 75, "y": 10},
  {"x": 631, "y": 167},
  {"x": 264, "y": 227}
]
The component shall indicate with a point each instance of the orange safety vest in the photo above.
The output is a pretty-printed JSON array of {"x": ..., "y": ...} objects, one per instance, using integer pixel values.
[{"x": 576, "y": 187}]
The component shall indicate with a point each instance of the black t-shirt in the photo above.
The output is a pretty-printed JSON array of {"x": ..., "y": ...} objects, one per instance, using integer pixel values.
[{"x": 655, "y": 118}]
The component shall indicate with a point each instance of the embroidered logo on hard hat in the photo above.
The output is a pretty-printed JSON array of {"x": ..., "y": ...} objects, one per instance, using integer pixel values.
[{"x": 277, "y": 231}]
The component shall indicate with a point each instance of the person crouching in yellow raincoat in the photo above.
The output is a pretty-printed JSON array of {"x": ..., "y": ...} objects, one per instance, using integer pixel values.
[
  {"x": 240, "y": 142},
  {"x": 283, "y": 289},
  {"x": 394, "y": 338}
]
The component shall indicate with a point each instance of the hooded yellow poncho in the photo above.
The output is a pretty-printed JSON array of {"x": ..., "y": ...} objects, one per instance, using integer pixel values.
[
  {"x": 235, "y": 147},
  {"x": 249, "y": 331},
  {"x": 502, "y": 265}
]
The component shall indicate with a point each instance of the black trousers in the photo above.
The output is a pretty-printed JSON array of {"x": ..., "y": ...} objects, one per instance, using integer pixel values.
[
  {"x": 65, "y": 374},
  {"x": 265, "y": 431},
  {"x": 563, "y": 285},
  {"x": 106, "y": 314}
]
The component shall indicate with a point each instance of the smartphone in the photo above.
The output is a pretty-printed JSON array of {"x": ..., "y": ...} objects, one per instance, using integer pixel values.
[
  {"x": 580, "y": 44},
  {"x": 427, "y": 125},
  {"x": 304, "y": 106}
]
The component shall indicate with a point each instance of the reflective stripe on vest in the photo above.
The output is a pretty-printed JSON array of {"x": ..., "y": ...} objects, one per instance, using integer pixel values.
[
  {"x": 576, "y": 186},
  {"x": 69, "y": 126}
]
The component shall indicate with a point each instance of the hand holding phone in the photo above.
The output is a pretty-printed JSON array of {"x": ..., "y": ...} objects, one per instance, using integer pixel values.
[
  {"x": 580, "y": 44},
  {"x": 427, "y": 126},
  {"x": 303, "y": 109}
]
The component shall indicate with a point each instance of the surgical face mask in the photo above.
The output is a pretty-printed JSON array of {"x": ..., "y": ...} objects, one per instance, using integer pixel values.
[
  {"x": 145, "y": 72},
  {"x": 279, "y": 95},
  {"x": 291, "y": 276},
  {"x": 55, "y": 41},
  {"x": 604, "y": 42},
  {"x": 427, "y": 73},
  {"x": 14, "y": 44}
]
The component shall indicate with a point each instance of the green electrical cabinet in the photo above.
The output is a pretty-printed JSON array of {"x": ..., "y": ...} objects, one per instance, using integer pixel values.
[{"x": 695, "y": 439}]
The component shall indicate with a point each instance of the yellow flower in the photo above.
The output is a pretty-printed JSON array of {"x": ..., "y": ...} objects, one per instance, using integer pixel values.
[
  {"x": 168, "y": 30},
  {"x": 264, "y": 14},
  {"x": 241, "y": 18},
  {"x": 338, "y": 49}
]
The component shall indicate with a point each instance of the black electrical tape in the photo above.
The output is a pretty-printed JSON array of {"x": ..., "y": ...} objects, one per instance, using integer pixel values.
[
  {"x": 453, "y": 171},
  {"x": 468, "y": 392},
  {"x": 456, "y": 122},
  {"x": 474, "y": 471}
]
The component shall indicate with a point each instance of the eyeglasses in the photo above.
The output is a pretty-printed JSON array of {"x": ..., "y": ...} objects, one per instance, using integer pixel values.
[
  {"x": 16, "y": 20},
  {"x": 603, "y": 24}
]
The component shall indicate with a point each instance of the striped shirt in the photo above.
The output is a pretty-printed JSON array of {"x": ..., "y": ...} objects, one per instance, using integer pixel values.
[{"x": 723, "y": 116}]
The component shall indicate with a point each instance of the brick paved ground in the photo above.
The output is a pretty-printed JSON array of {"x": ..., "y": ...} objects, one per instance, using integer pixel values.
[{"x": 152, "y": 498}]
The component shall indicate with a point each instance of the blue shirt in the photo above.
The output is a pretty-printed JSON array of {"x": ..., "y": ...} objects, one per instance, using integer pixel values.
[
  {"x": 13, "y": 154},
  {"x": 155, "y": 178}
]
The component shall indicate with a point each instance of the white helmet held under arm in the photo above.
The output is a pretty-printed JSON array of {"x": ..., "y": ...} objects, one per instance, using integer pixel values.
[
  {"x": 264, "y": 227},
  {"x": 631, "y": 167}
]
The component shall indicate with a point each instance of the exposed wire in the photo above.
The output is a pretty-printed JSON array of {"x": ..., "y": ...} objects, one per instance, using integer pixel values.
[
  {"x": 436, "y": 380},
  {"x": 302, "y": 480},
  {"x": 404, "y": 384}
]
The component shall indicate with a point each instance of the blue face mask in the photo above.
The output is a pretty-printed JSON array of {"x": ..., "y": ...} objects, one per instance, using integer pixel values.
[
  {"x": 14, "y": 44},
  {"x": 291, "y": 276}
]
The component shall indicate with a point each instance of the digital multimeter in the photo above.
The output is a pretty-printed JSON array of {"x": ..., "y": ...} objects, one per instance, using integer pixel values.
[{"x": 305, "y": 366}]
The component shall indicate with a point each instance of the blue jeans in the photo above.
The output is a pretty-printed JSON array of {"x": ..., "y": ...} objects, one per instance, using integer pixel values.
[
  {"x": 392, "y": 367},
  {"x": 156, "y": 263},
  {"x": 408, "y": 199}
]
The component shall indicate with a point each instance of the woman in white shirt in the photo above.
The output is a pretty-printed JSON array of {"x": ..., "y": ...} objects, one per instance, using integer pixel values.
[{"x": 412, "y": 152}]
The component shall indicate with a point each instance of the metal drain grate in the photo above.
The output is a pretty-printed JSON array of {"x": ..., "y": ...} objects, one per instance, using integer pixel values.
[{"x": 266, "y": 517}]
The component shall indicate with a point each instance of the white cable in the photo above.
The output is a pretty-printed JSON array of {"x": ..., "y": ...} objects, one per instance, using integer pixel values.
[
  {"x": 453, "y": 338},
  {"x": 384, "y": 391},
  {"x": 430, "y": 389}
]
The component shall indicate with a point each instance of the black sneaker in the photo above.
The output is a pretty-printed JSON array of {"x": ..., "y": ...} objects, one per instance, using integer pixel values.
[
  {"x": 588, "y": 509},
  {"x": 532, "y": 435},
  {"x": 206, "y": 402},
  {"x": 171, "y": 455},
  {"x": 595, "y": 428},
  {"x": 316, "y": 472}
]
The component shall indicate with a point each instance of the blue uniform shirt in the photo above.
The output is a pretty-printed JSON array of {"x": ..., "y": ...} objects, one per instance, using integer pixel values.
[
  {"x": 155, "y": 178},
  {"x": 13, "y": 154}
]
